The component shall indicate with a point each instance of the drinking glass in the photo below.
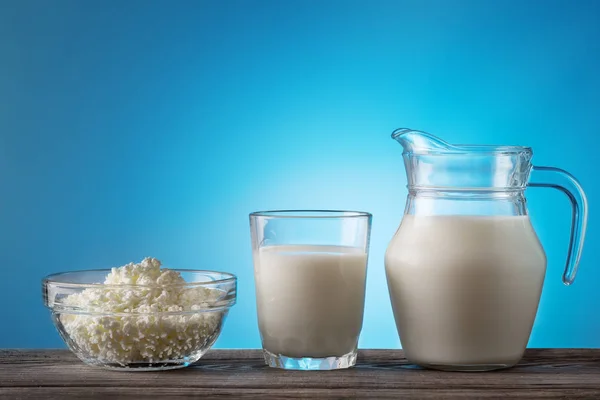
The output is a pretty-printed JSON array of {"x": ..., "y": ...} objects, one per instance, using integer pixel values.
[{"x": 310, "y": 273}]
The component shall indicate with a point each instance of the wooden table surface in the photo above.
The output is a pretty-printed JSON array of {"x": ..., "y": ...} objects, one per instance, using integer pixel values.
[{"x": 58, "y": 374}]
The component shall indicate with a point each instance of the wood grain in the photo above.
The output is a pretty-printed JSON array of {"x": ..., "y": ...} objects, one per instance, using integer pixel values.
[{"x": 58, "y": 374}]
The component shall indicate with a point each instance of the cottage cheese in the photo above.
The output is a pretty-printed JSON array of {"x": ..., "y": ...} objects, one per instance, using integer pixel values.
[{"x": 152, "y": 334}]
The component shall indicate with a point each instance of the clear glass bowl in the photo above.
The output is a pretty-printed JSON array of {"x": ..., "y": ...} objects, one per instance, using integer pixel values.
[{"x": 95, "y": 323}]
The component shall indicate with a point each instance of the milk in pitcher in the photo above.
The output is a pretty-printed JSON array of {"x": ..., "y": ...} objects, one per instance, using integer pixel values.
[{"x": 465, "y": 289}]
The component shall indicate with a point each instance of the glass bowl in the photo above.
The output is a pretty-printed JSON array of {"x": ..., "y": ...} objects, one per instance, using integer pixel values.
[{"x": 96, "y": 324}]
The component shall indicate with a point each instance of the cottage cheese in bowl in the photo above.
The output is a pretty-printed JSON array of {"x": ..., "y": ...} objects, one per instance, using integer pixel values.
[{"x": 141, "y": 316}]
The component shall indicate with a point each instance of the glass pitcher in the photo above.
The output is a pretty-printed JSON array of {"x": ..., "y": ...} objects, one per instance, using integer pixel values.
[{"x": 465, "y": 268}]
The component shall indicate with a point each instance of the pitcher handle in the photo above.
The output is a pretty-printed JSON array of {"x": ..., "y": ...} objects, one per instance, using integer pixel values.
[{"x": 565, "y": 182}]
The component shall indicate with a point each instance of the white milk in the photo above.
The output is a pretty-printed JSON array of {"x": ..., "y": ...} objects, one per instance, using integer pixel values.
[
  {"x": 310, "y": 299},
  {"x": 465, "y": 289}
]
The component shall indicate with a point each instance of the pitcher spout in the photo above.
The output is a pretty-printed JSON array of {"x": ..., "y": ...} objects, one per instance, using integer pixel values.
[{"x": 419, "y": 142}]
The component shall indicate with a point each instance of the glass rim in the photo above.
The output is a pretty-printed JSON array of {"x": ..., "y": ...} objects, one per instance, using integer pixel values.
[
  {"x": 311, "y": 214},
  {"x": 54, "y": 280}
]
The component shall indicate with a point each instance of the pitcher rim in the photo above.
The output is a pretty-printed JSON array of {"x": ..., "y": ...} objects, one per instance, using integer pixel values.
[{"x": 462, "y": 149}]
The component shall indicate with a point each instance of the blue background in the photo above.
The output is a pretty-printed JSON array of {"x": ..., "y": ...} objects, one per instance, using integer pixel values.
[{"x": 152, "y": 128}]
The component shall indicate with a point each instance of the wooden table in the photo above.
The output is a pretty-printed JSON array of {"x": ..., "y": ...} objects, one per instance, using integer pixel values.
[{"x": 58, "y": 374}]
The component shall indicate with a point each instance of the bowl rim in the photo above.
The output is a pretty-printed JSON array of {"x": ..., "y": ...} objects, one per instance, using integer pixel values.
[
  {"x": 53, "y": 279},
  {"x": 61, "y": 310}
]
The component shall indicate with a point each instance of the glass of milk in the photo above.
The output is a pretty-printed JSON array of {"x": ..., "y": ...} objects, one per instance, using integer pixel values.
[{"x": 310, "y": 272}]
